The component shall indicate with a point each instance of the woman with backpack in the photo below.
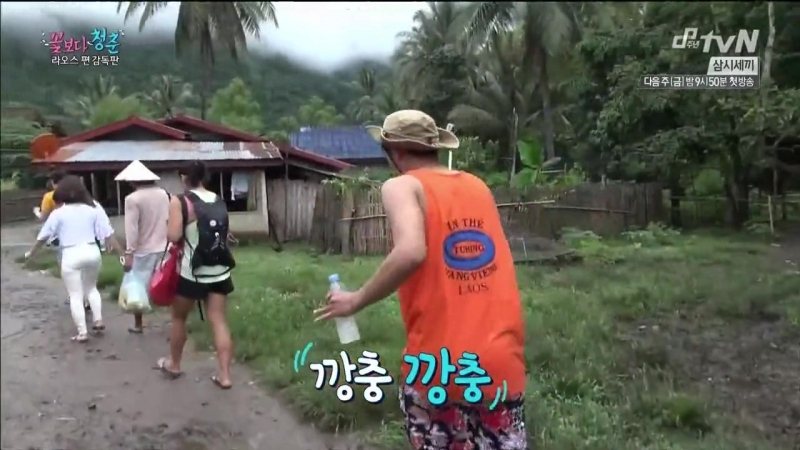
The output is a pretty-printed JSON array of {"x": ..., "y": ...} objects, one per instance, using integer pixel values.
[
  {"x": 198, "y": 219},
  {"x": 78, "y": 224}
]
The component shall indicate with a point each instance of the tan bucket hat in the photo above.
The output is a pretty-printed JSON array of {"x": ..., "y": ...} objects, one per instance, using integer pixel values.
[
  {"x": 136, "y": 171},
  {"x": 415, "y": 130}
]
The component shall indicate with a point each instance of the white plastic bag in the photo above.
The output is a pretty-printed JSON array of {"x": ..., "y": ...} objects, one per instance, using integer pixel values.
[{"x": 133, "y": 296}]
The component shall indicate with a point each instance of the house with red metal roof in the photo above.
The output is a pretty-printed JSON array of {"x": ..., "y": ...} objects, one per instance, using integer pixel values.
[{"x": 252, "y": 174}]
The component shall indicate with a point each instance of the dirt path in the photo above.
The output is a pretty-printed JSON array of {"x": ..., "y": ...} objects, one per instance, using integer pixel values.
[
  {"x": 105, "y": 394},
  {"x": 787, "y": 252}
]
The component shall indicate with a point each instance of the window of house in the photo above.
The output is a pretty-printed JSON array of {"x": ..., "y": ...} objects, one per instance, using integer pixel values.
[{"x": 236, "y": 187}]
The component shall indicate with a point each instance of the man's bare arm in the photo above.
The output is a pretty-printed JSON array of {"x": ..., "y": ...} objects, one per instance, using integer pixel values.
[{"x": 407, "y": 222}]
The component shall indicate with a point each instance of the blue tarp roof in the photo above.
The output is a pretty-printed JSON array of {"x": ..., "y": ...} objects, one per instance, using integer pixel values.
[{"x": 338, "y": 143}]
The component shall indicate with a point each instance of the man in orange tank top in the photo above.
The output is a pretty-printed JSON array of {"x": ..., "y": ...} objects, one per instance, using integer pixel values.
[{"x": 452, "y": 267}]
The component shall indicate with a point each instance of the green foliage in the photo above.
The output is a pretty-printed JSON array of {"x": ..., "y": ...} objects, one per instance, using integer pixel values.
[
  {"x": 476, "y": 157},
  {"x": 630, "y": 133},
  {"x": 433, "y": 61},
  {"x": 472, "y": 155},
  {"x": 170, "y": 96},
  {"x": 590, "y": 246},
  {"x": 207, "y": 28},
  {"x": 708, "y": 182},
  {"x": 532, "y": 158},
  {"x": 531, "y": 155},
  {"x": 572, "y": 177},
  {"x": 314, "y": 113},
  {"x": 234, "y": 106},
  {"x": 16, "y": 133},
  {"x": 495, "y": 179},
  {"x": 378, "y": 98},
  {"x": 274, "y": 80},
  {"x": 346, "y": 183},
  {"x": 653, "y": 235},
  {"x": 113, "y": 108}
]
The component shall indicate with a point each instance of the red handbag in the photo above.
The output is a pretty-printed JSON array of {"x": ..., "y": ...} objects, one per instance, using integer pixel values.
[{"x": 164, "y": 283}]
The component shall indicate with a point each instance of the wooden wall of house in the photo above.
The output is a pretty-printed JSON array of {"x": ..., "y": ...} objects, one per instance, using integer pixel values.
[
  {"x": 295, "y": 221},
  {"x": 171, "y": 181},
  {"x": 18, "y": 204}
]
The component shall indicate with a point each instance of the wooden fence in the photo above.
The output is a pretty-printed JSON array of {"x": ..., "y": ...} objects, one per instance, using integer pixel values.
[
  {"x": 17, "y": 205},
  {"x": 353, "y": 222}
]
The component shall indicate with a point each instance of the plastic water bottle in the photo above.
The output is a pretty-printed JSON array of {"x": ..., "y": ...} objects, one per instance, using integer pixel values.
[{"x": 345, "y": 326}]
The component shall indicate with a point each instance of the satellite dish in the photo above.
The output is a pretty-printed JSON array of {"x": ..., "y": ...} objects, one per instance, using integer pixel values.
[{"x": 44, "y": 145}]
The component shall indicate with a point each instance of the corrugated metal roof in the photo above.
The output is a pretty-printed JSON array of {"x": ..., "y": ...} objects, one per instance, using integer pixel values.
[
  {"x": 339, "y": 143},
  {"x": 116, "y": 151}
]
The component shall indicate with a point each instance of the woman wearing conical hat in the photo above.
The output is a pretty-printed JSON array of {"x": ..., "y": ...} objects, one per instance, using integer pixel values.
[{"x": 146, "y": 215}]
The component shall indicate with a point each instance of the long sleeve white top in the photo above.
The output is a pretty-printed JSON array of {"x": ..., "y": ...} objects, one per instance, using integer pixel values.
[{"x": 76, "y": 224}]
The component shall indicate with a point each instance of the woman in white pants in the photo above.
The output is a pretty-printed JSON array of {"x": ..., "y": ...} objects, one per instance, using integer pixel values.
[{"x": 76, "y": 224}]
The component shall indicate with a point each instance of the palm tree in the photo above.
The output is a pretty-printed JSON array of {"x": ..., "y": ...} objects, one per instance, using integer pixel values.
[
  {"x": 363, "y": 109},
  {"x": 547, "y": 30},
  {"x": 170, "y": 95},
  {"x": 377, "y": 100},
  {"x": 438, "y": 27},
  {"x": 500, "y": 101},
  {"x": 93, "y": 90},
  {"x": 99, "y": 87},
  {"x": 210, "y": 24}
]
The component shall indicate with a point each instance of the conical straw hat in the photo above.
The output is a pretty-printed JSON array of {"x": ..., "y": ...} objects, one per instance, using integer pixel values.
[{"x": 136, "y": 171}]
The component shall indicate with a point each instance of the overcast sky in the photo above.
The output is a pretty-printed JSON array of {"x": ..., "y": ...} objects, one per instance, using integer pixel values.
[{"x": 319, "y": 34}]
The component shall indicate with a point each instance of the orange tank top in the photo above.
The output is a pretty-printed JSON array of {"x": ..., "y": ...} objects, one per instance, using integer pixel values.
[{"x": 464, "y": 297}]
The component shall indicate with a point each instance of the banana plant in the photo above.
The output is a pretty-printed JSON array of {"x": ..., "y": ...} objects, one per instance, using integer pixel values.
[{"x": 531, "y": 155}]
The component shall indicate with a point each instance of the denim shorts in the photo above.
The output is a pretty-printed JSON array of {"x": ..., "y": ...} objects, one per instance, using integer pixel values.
[{"x": 144, "y": 266}]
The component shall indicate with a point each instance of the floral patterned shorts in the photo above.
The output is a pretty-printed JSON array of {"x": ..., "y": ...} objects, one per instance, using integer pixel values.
[{"x": 462, "y": 427}]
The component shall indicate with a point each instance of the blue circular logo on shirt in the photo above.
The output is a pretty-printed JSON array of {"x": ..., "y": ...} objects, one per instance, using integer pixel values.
[{"x": 468, "y": 250}]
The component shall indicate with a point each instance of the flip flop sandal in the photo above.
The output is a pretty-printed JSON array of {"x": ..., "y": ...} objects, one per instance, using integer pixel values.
[
  {"x": 135, "y": 330},
  {"x": 98, "y": 327},
  {"x": 161, "y": 365},
  {"x": 80, "y": 338},
  {"x": 219, "y": 384}
]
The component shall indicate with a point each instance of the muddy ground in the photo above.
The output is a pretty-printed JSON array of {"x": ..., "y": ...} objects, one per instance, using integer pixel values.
[
  {"x": 750, "y": 368},
  {"x": 59, "y": 395}
]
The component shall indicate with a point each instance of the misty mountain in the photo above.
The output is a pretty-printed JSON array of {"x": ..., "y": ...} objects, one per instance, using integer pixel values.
[{"x": 279, "y": 84}]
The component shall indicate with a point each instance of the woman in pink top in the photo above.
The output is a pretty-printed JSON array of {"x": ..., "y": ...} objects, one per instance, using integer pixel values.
[{"x": 146, "y": 215}]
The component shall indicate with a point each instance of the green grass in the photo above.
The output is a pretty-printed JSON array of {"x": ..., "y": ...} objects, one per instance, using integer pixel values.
[
  {"x": 592, "y": 383},
  {"x": 589, "y": 387},
  {"x": 8, "y": 185},
  {"x": 108, "y": 280}
]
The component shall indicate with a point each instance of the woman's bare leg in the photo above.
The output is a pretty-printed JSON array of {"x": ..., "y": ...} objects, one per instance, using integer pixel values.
[
  {"x": 181, "y": 308},
  {"x": 215, "y": 309},
  {"x": 137, "y": 323}
]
